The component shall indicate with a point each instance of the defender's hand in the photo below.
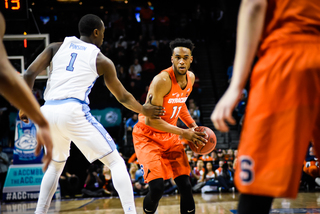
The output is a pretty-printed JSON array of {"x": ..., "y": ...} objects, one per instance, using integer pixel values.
[
  {"x": 223, "y": 110},
  {"x": 44, "y": 139},
  {"x": 152, "y": 111}
]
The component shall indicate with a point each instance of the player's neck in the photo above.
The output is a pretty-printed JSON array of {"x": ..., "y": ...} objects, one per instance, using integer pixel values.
[
  {"x": 86, "y": 39},
  {"x": 180, "y": 77}
]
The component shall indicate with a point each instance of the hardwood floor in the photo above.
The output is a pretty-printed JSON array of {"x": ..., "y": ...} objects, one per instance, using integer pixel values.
[{"x": 224, "y": 203}]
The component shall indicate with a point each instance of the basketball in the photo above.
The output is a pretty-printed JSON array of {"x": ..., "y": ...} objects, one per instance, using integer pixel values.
[{"x": 209, "y": 146}]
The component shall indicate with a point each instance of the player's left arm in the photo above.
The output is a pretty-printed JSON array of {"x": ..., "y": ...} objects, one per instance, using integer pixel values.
[
  {"x": 184, "y": 112},
  {"x": 40, "y": 63},
  {"x": 249, "y": 30}
]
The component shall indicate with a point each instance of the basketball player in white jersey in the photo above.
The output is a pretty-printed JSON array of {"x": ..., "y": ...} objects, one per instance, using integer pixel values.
[{"x": 76, "y": 64}]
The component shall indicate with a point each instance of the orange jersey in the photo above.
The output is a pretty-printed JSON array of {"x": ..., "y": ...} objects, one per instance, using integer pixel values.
[
  {"x": 289, "y": 21},
  {"x": 174, "y": 102}
]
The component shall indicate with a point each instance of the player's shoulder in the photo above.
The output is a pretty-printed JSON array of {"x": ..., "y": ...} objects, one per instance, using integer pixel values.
[
  {"x": 163, "y": 78},
  {"x": 192, "y": 76}
]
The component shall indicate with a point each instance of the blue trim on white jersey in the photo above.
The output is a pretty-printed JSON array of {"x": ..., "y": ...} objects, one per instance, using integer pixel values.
[
  {"x": 97, "y": 125},
  {"x": 86, "y": 98},
  {"x": 68, "y": 100}
]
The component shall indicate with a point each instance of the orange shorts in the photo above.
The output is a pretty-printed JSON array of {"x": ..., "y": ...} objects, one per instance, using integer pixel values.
[
  {"x": 282, "y": 117},
  {"x": 160, "y": 154}
]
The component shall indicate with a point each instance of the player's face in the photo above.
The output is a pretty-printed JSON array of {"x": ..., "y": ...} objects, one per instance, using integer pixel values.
[{"x": 181, "y": 59}]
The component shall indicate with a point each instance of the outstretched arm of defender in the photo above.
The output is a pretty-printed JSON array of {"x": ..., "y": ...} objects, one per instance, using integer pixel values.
[{"x": 106, "y": 67}]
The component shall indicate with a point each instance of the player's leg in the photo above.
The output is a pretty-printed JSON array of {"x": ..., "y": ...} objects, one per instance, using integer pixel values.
[
  {"x": 60, "y": 153},
  {"x": 151, "y": 201},
  {"x": 252, "y": 204},
  {"x": 186, "y": 201},
  {"x": 49, "y": 185},
  {"x": 181, "y": 170},
  {"x": 121, "y": 180},
  {"x": 95, "y": 143}
]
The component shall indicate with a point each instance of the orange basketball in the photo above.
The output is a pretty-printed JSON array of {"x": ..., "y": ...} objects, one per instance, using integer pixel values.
[{"x": 209, "y": 146}]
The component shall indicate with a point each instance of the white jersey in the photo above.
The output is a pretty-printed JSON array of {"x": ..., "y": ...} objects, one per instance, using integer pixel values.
[{"x": 73, "y": 72}]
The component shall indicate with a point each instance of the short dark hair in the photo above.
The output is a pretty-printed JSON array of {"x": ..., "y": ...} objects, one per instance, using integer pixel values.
[
  {"x": 88, "y": 23},
  {"x": 181, "y": 42}
]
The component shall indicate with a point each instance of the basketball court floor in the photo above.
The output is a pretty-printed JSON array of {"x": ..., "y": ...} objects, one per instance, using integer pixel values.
[{"x": 218, "y": 203}]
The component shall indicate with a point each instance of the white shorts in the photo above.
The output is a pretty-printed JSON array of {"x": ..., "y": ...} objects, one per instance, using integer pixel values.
[{"x": 71, "y": 120}]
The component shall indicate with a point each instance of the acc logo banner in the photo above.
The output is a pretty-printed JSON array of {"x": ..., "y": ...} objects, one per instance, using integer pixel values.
[{"x": 25, "y": 143}]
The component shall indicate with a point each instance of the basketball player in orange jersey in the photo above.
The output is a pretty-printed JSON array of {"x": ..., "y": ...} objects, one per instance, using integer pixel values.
[
  {"x": 16, "y": 91},
  {"x": 283, "y": 110},
  {"x": 156, "y": 141}
]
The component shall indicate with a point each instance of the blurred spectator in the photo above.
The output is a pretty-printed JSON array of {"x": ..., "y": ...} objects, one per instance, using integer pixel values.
[
  {"x": 121, "y": 44},
  {"x": 154, "y": 42},
  {"x": 198, "y": 173},
  {"x": 146, "y": 16},
  {"x": 94, "y": 182},
  {"x": 194, "y": 112},
  {"x": 119, "y": 27},
  {"x": 311, "y": 171},
  {"x": 131, "y": 122},
  {"x": 220, "y": 155},
  {"x": 108, "y": 185},
  {"x": 135, "y": 69},
  {"x": 122, "y": 75},
  {"x": 218, "y": 171},
  {"x": 132, "y": 171},
  {"x": 235, "y": 153},
  {"x": 148, "y": 70},
  {"x": 4, "y": 163},
  {"x": 151, "y": 51},
  {"x": 162, "y": 25},
  {"x": 229, "y": 155},
  {"x": 136, "y": 51},
  {"x": 143, "y": 97},
  {"x": 209, "y": 173},
  {"x": 170, "y": 186},
  {"x": 225, "y": 178},
  {"x": 211, "y": 184},
  {"x": 68, "y": 183},
  {"x": 134, "y": 89},
  {"x": 206, "y": 157},
  {"x": 139, "y": 187},
  {"x": 133, "y": 159}
]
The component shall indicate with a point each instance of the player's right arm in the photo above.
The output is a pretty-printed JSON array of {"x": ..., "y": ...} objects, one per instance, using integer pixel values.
[
  {"x": 106, "y": 67},
  {"x": 160, "y": 87},
  {"x": 16, "y": 91}
]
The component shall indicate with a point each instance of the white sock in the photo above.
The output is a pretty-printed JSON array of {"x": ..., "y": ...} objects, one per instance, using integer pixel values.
[
  {"x": 49, "y": 186},
  {"x": 121, "y": 180}
]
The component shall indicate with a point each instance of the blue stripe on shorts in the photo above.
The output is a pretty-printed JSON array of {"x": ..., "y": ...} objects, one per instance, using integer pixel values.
[{"x": 97, "y": 125}]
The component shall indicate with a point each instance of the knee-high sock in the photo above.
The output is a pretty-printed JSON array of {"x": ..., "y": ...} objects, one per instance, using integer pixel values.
[
  {"x": 49, "y": 186},
  {"x": 121, "y": 181}
]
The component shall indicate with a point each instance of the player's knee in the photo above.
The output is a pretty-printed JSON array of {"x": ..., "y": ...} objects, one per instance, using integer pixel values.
[
  {"x": 183, "y": 184},
  {"x": 156, "y": 188}
]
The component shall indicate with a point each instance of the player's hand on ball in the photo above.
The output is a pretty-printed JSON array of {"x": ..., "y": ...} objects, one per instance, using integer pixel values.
[
  {"x": 152, "y": 111},
  {"x": 197, "y": 138},
  {"x": 23, "y": 117}
]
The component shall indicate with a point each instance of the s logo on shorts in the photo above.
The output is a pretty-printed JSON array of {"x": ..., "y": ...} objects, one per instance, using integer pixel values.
[
  {"x": 141, "y": 168},
  {"x": 246, "y": 167}
]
